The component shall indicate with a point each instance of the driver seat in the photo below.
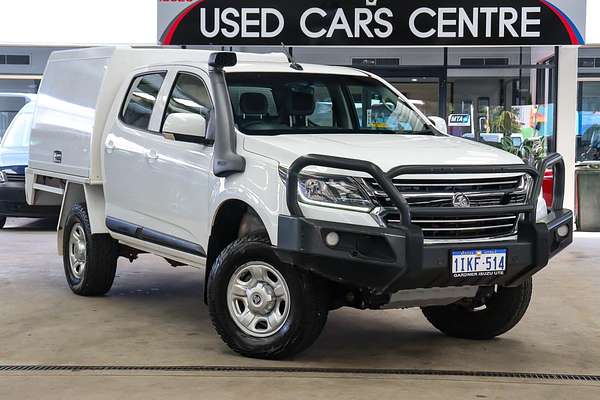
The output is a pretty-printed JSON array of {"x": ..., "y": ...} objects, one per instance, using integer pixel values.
[{"x": 300, "y": 106}]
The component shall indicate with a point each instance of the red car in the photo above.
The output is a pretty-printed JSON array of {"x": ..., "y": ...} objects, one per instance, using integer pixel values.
[{"x": 548, "y": 187}]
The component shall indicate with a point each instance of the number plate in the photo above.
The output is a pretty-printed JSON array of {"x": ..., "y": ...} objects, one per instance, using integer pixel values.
[{"x": 474, "y": 263}]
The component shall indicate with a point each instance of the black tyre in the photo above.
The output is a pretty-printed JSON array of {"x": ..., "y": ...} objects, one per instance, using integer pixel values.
[
  {"x": 471, "y": 320},
  {"x": 261, "y": 307},
  {"x": 90, "y": 261},
  {"x": 2, "y": 222}
]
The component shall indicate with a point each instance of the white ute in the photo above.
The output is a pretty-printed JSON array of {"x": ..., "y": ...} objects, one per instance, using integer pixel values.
[{"x": 299, "y": 188}]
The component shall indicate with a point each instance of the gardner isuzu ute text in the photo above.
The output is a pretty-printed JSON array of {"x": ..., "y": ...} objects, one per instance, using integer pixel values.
[{"x": 299, "y": 188}]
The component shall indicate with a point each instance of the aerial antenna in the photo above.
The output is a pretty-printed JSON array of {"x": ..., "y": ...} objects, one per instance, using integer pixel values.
[{"x": 290, "y": 56}]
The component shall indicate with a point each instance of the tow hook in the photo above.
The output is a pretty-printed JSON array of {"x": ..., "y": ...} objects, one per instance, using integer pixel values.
[{"x": 484, "y": 294}]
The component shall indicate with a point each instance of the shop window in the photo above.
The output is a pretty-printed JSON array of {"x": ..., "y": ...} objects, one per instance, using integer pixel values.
[
  {"x": 588, "y": 133},
  {"x": 15, "y": 59},
  {"x": 375, "y": 62},
  {"x": 509, "y": 95},
  {"x": 514, "y": 111},
  {"x": 587, "y": 63},
  {"x": 12, "y": 59},
  {"x": 484, "y": 61}
]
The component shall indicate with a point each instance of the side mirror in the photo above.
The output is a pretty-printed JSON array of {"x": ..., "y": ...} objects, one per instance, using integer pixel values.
[
  {"x": 440, "y": 124},
  {"x": 185, "y": 127}
]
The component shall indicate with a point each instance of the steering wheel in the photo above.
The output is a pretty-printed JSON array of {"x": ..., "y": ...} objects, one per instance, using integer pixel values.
[{"x": 390, "y": 106}]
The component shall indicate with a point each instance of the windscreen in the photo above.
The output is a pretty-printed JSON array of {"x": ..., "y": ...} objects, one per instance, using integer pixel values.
[
  {"x": 298, "y": 103},
  {"x": 17, "y": 134}
]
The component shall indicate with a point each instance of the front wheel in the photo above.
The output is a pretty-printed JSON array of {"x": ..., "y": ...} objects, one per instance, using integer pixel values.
[
  {"x": 481, "y": 320},
  {"x": 2, "y": 222},
  {"x": 262, "y": 307}
]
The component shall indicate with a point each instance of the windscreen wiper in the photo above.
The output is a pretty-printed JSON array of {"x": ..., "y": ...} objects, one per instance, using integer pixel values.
[{"x": 424, "y": 132}]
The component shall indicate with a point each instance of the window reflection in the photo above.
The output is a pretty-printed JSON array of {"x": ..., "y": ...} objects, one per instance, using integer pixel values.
[
  {"x": 141, "y": 100},
  {"x": 588, "y": 133},
  {"x": 512, "y": 109}
]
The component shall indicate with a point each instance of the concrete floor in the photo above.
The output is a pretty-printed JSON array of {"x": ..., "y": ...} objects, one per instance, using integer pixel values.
[{"x": 154, "y": 315}]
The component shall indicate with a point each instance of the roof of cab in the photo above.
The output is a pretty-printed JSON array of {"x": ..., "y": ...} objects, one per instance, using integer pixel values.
[
  {"x": 285, "y": 67},
  {"x": 247, "y": 62}
]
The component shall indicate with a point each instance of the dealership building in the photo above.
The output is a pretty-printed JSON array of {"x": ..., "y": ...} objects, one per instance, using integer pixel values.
[{"x": 472, "y": 59}]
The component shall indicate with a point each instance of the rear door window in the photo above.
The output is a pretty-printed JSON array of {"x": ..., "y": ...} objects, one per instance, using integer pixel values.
[{"x": 141, "y": 100}]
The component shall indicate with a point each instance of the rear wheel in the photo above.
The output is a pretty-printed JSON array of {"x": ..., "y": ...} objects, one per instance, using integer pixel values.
[
  {"x": 90, "y": 261},
  {"x": 2, "y": 222},
  {"x": 261, "y": 307},
  {"x": 474, "y": 319}
]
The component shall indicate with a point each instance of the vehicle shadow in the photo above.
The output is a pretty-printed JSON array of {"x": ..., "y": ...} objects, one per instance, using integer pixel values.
[
  {"x": 396, "y": 339},
  {"x": 403, "y": 339},
  {"x": 30, "y": 224}
]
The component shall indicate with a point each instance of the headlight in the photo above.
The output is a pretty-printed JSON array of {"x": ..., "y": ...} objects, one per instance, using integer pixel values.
[
  {"x": 331, "y": 191},
  {"x": 526, "y": 185},
  {"x": 3, "y": 177}
]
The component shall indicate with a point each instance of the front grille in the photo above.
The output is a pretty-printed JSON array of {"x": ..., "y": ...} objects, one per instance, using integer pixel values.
[
  {"x": 440, "y": 193},
  {"x": 475, "y": 227},
  {"x": 15, "y": 178},
  {"x": 476, "y": 200}
]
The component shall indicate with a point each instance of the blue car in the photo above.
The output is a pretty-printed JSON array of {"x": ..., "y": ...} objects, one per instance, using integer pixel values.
[{"x": 14, "y": 157}]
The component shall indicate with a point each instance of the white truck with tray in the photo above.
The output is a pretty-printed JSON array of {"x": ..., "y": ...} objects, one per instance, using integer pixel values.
[{"x": 298, "y": 188}]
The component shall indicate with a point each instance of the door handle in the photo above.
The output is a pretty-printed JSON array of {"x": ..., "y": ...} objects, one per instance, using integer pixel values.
[{"x": 151, "y": 155}]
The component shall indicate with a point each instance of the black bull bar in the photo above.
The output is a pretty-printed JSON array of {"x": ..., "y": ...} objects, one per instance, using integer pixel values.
[
  {"x": 384, "y": 180},
  {"x": 388, "y": 259}
]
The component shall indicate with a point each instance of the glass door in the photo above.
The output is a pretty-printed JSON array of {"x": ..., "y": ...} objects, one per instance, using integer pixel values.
[{"x": 588, "y": 133}]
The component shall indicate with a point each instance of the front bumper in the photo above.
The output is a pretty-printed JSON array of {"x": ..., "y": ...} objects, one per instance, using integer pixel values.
[
  {"x": 13, "y": 203},
  {"x": 386, "y": 260}
]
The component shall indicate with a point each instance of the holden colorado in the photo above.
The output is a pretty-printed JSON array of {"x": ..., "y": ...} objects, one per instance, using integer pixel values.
[{"x": 297, "y": 188}]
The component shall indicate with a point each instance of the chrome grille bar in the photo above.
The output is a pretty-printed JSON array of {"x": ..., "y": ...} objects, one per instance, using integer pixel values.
[
  {"x": 449, "y": 195},
  {"x": 470, "y": 212},
  {"x": 496, "y": 204},
  {"x": 452, "y": 183},
  {"x": 423, "y": 186},
  {"x": 442, "y": 221},
  {"x": 474, "y": 228}
]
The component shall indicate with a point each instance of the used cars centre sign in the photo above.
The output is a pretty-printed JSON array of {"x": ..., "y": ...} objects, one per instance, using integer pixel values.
[{"x": 371, "y": 22}]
